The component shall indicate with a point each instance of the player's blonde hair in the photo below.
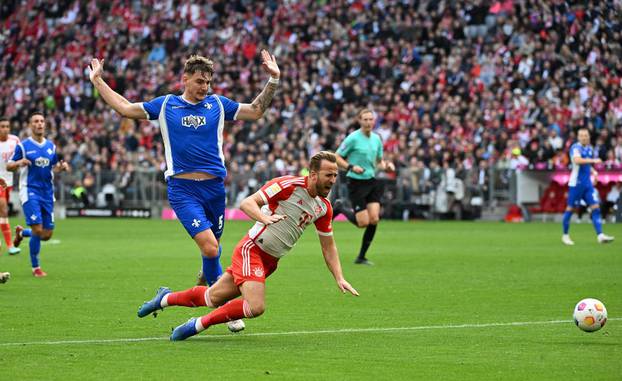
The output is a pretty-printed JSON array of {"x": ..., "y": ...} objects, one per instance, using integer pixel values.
[
  {"x": 316, "y": 160},
  {"x": 198, "y": 63}
]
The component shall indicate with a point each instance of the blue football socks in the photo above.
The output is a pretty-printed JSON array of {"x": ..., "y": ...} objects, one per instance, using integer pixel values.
[
  {"x": 35, "y": 248},
  {"x": 598, "y": 225},
  {"x": 566, "y": 221},
  {"x": 211, "y": 268}
]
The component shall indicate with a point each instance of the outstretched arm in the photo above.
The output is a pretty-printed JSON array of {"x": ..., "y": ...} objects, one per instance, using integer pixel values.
[
  {"x": 114, "y": 99},
  {"x": 255, "y": 110},
  {"x": 331, "y": 257}
]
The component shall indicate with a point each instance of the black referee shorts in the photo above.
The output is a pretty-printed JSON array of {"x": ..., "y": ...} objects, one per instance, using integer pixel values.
[{"x": 363, "y": 192}]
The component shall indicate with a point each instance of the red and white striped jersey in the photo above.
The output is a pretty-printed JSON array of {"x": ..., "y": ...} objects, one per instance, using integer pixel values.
[
  {"x": 7, "y": 148},
  {"x": 288, "y": 196}
]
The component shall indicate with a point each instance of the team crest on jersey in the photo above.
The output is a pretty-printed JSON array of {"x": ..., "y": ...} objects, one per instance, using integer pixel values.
[
  {"x": 208, "y": 106},
  {"x": 258, "y": 271},
  {"x": 195, "y": 121},
  {"x": 50, "y": 151},
  {"x": 42, "y": 162}
]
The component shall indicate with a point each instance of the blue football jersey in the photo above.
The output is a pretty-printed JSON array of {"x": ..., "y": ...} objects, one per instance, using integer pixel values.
[
  {"x": 192, "y": 133},
  {"x": 580, "y": 174},
  {"x": 36, "y": 179}
]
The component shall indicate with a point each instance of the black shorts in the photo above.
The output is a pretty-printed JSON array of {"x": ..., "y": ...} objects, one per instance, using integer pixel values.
[{"x": 363, "y": 192}]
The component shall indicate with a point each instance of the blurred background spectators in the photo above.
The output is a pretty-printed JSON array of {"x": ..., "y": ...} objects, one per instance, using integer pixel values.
[{"x": 458, "y": 87}]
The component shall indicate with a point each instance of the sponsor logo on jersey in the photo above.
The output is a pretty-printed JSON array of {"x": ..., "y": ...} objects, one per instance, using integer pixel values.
[
  {"x": 42, "y": 162},
  {"x": 195, "y": 121},
  {"x": 318, "y": 210},
  {"x": 273, "y": 189}
]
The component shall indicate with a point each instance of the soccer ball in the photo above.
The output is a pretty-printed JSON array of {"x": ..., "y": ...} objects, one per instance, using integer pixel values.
[{"x": 590, "y": 315}]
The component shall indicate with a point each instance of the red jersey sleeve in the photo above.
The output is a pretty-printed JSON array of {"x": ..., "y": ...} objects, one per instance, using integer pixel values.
[
  {"x": 324, "y": 224},
  {"x": 279, "y": 188}
]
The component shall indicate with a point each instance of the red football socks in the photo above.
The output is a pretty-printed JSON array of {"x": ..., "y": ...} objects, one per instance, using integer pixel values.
[
  {"x": 6, "y": 232},
  {"x": 233, "y": 310},
  {"x": 193, "y": 297}
]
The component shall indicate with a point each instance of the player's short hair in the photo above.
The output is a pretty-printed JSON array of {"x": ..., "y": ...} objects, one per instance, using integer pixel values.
[
  {"x": 316, "y": 160},
  {"x": 364, "y": 111},
  {"x": 198, "y": 63},
  {"x": 4, "y": 118},
  {"x": 583, "y": 128},
  {"x": 35, "y": 113}
]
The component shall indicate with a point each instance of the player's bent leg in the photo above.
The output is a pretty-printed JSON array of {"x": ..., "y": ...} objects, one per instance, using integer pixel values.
[
  {"x": 222, "y": 291},
  {"x": 210, "y": 255},
  {"x": 232, "y": 310},
  {"x": 254, "y": 293}
]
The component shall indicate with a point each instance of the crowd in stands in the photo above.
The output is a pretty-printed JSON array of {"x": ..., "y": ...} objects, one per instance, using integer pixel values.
[{"x": 458, "y": 87}]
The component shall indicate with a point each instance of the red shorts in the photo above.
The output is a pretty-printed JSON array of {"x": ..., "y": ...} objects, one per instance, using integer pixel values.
[
  {"x": 5, "y": 193},
  {"x": 250, "y": 263}
]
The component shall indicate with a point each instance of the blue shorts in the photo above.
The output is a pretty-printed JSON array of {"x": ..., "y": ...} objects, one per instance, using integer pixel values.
[
  {"x": 199, "y": 204},
  {"x": 587, "y": 193},
  {"x": 38, "y": 211}
]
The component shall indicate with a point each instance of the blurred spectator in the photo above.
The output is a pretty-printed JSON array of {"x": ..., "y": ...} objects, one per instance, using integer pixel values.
[{"x": 461, "y": 82}]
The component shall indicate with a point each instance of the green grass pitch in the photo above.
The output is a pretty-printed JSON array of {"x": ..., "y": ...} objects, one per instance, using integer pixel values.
[{"x": 438, "y": 305}]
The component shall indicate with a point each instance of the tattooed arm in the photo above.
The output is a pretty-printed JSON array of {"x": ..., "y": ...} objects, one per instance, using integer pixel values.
[{"x": 255, "y": 110}]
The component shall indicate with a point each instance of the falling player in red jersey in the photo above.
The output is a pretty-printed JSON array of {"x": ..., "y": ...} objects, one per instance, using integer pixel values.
[{"x": 282, "y": 209}]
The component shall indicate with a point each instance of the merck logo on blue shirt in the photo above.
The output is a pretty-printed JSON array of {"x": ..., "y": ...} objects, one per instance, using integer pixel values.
[
  {"x": 193, "y": 121},
  {"x": 42, "y": 162}
]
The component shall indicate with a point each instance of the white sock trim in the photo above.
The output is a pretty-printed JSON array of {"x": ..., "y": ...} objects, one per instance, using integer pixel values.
[
  {"x": 198, "y": 325},
  {"x": 4, "y": 220},
  {"x": 208, "y": 300},
  {"x": 164, "y": 301}
]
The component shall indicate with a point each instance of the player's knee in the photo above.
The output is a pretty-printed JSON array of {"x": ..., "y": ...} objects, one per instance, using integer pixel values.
[
  {"x": 45, "y": 235},
  {"x": 373, "y": 220},
  {"x": 257, "y": 307},
  {"x": 36, "y": 230},
  {"x": 209, "y": 249}
]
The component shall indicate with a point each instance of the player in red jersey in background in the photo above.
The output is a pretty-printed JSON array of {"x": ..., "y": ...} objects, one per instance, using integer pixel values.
[
  {"x": 8, "y": 143},
  {"x": 282, "y": 209}
]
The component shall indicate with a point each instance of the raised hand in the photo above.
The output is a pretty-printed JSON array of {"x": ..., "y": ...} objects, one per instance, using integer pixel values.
[
  {"x": 96, "y": 68},
  {"x": 269, "y": 64}
]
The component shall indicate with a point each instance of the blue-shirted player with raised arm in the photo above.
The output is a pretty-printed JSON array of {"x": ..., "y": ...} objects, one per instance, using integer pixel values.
[
  {"x": 36, "y": 158},
  {"x": 192, "y": 131},
  {"x": 580, "y": 187}
]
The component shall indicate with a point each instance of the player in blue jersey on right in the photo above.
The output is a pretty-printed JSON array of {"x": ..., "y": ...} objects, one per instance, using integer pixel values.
[
  {"x": 36, "y": 158},
  {"x": 580, "y": 186},
  {"x": 192, "y": 131}
]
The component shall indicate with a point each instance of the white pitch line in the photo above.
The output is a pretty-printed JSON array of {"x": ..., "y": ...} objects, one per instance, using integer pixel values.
[{"x": 294, "y": 333}]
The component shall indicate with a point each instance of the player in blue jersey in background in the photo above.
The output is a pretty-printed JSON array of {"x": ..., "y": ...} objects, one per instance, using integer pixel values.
[
  {"x": 36, "y": 158},
  {"x": 580, "y": 186},
  {"x": 192, "y": 131}
]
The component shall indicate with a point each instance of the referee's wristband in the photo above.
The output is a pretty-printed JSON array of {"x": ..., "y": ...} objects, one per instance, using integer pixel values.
[{"x": 350, "y": 166}]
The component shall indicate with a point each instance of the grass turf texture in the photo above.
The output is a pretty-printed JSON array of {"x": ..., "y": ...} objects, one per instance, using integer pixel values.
[{"x": 426, "y": 274}]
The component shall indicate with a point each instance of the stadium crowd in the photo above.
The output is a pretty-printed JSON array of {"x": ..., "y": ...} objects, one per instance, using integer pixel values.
[{"x": 458, "y": 87}]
